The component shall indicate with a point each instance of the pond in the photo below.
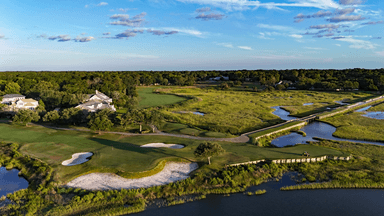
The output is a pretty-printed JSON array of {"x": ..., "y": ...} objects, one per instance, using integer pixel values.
[
  {"x": 307, "y": 104},
  {"x": 10, "y": 181},
  {"x": 341, "y": 103},
  {"x": 374, "y": 115},
  {"x": 283, "y": 114},
  {"x": 198, "y": 113},
  {"x": 315, "y": 129},
  {"x": 332, "y": 202}
]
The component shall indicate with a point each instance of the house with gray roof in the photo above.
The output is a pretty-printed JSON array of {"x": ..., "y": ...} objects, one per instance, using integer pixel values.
[
  {"x": 98, "y": 96},
  {"x": 97, "y": 101},
  {"x": 95, "y": 105},
  {"x": 11, "y": 98}
]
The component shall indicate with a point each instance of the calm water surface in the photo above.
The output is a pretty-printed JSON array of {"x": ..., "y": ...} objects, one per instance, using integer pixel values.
[
  {"x": 10, "y": 181},
  {"x": 282, "y": 203},
  {"x": 315, "y": 129},
  {"x": 282, "y": 113},
  {"x": 375, "y": 115}
]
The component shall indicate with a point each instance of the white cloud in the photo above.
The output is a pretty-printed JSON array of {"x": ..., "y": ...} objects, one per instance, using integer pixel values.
[
  {"x": 102, "y": 4},
  {"x": 314, "y": 48},
  {"x": 262, "y": 36},
  {"x": 229, "y": 45},
  {"x": 380, "y": 53},
  {"x": 276, "y": 27},
  {"x": 357, "y": 44},
  {"x": 251, "y": 4},
  {"x": 245, "y": 47},
  {"x": 338, "y": 45},
  {"x": 275, "y": 57},
  {"x": 186, "y": 31},
  {"x": 296, "y": 36}
]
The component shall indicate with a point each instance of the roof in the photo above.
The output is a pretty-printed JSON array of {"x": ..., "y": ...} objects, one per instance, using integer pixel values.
[
  {"x": 29, "y": 104},
  {"x": 13, "y": 96},
  {"x": 94, "y": 105},
  {"x": 29, "y": 100},
  {"x": 99, "y": 95}
]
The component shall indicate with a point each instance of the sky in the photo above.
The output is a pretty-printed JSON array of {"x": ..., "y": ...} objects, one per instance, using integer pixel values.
[{"x": 128, "y": 35}]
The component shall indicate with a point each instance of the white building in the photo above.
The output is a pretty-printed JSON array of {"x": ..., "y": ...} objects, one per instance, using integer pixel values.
[
  {"x": 26, "y": 104},
  {"x": 11, "y": 98},
  {"x": 99, "y": 97},
  {"x": 97, "y": 102}
]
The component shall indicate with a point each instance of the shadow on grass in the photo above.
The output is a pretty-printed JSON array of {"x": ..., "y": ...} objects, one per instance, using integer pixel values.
[{"x": 135, "y": 148}]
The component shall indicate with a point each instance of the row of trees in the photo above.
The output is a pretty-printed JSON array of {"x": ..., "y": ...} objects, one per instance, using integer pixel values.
[{"x": 102, "y": 120}]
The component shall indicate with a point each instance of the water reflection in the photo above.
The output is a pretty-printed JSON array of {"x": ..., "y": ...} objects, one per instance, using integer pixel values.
[
  {"x": 282, "y": 113},
  {"x": 375, "y": 115},
  {"x": 315, "y": 129},
  {"x": 198, "y": 113},
  {"x": 10, "y": 181},
  {"x": 307, "y": 104},
  {"x": 288, "y": 203}
]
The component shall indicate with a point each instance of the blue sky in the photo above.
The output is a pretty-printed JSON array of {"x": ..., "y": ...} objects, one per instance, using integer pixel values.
[{"x": 190, "y": 34}]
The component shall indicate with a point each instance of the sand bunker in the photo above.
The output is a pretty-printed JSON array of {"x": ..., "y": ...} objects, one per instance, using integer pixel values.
[
  {"x": 162, "y": 145},
  {"x": 77, "y": 158},
  {"x": 172, "y": 172}
]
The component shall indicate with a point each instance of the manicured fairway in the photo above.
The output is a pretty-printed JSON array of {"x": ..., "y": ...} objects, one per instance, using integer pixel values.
[
  {"x": 122, "y": 154},
  {"x": 149, "y": 99}
]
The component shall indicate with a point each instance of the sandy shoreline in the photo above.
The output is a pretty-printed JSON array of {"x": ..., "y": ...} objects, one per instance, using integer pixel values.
[
  {"x": 77, "y": 158},
  {"x": 172, "y": 172}
]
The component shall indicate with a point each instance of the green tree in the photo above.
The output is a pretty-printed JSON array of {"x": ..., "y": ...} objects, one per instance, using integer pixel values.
[
  {"x": 12, "y": 88},
  {"x": 26, "y": 116},
  {"x": 208, "y": 149},
  {"x": 72, "y": 116},
  {"x": 100, "y": 121},
  {"x": 52, "y": 116}
]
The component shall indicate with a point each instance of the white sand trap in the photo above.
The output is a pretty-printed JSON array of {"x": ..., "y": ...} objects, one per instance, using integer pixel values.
[
  {"x": 77, "y": 158},
  {"x": 162, "y": 145},
  {"x": 172, "y": 172}
]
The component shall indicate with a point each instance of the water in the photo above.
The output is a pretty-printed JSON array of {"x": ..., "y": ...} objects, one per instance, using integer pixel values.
[
  {"x": 341, "y": 102},
  {"x": 315, "y": 129},
  {"x": 363, "y": 109},
  {"x": 282, "y": 113},
  {"x": 288, "y": 203},
  {"x": 10, "y": 181},
  {"x": 198, "y": 113},
  {"x": 307, "y": 104},
  {"x": 375, "y": 115}
]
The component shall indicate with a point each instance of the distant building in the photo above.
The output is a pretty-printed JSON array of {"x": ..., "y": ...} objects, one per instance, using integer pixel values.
[
  {"x": 26, "y": 104},
  {"x": 11, "y": 98},
  {"x": 97, "y": 102},
  {"x": 95, "y": 105},
  {"x": 99, "y": 97},
  {"x": 219, "y": 78}
]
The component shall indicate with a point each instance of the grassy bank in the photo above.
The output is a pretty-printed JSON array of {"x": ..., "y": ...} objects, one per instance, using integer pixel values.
[
  {"x": 264, "y": 132},
  {"x": 355, "y": 126},
  {"x": 365, "y": 170},
  {"x": 379, "y": 107},
  {"x": 122, "y": 155},
  {"x": 237, "y": 112}
]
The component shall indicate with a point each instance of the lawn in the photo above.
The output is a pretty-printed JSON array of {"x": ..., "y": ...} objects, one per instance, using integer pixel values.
[
  {"x": 149, "y": 99},
  {"x": 122, "y": 155},
  {"x": 237, "y": 112}
]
